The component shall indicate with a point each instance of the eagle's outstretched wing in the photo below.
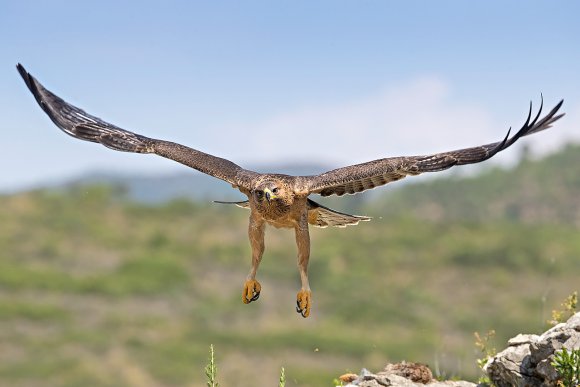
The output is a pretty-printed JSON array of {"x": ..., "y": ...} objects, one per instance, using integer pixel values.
[
  {"x": 360, "y": 177},
  {"x": 79, "y": 124}
]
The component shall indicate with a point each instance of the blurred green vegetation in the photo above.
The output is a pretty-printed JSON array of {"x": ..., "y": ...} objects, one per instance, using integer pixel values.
[
  {"x": 535, "y": 191},
  {"x": 97, "y": 290}
]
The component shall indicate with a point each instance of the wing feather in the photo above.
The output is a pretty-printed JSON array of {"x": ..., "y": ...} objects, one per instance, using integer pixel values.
[
  {"x": 79, "y": 124},
  {"x": 360, "y": 177}
]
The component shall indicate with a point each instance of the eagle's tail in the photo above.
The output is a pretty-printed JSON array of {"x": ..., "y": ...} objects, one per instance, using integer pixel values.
[
  {"x": 321, "y": 216},
  {"x": 318, "y": 215}
]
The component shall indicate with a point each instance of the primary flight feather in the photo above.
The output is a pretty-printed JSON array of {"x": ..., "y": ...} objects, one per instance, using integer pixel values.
[{"x": 276, "y": 199}]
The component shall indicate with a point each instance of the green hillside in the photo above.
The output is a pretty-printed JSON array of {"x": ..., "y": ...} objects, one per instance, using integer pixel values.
[
  {"x": 98, "y": 290},
  {"x": 535, "y": 191}
]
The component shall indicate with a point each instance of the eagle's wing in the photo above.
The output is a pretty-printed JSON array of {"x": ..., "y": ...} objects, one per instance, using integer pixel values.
[
  {"x": 79, "y": 124},
  {"x": 360, "y": 177}
]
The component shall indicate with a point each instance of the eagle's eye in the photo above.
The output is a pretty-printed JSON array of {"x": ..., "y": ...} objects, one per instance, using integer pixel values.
[
  {"x": 275, "y": 190},
  {"x": 259, "y": 193}
]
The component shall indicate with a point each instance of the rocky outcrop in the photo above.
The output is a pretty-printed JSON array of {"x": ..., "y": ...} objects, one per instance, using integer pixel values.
[
  {"x": 527, "y": 361},
  {"x": 401, "y": 375}
]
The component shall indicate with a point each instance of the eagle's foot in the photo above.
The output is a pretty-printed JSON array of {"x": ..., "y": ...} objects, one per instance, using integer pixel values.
[
  {"x": 251, "y": 291},
  {"x": 303, "y": 302}
]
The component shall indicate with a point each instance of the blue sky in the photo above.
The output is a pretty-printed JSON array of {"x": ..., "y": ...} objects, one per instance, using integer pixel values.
[{"x": 332, "y": 82}]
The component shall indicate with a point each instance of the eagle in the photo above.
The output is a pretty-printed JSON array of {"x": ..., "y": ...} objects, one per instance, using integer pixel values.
[{"x": 277, "y": 199}]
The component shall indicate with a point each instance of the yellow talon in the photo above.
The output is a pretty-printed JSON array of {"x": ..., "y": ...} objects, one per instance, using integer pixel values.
[
  {"x": 251, "y": 291},
  {"x": 303, "y": 302}
]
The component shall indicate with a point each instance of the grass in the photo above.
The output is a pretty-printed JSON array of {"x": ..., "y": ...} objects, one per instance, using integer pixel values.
[
  {"x": 32, "y": 311},
  {"x": 136, "y": 276},
  {"x": 567, "y": 310},
  {"x": 567, "y": 364},
  {"x": 87, "y": 279},
  {"x": 282, "y": 381},
  {"x": 211, "y": 369},
  {"x": 487, "y": 351}
]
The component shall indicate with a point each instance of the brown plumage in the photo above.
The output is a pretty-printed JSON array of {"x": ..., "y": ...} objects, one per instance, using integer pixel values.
[{"x": 275, "y": 199}]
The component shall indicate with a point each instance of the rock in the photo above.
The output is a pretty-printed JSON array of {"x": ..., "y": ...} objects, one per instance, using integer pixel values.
[
  {"x": 415, "y": 372},
  {"x": 522, "y": 339},
  {"x": 403, "y": 375},
  {"x": 527, "y": 362},
  {"x": 347, "y": 378}
]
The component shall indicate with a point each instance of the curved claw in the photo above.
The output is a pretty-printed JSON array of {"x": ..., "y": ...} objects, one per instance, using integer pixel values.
[
  {"x": 298, "y": 310},
  {"x": 251, "y": 291},
  {"x": 304, "y": 302}
]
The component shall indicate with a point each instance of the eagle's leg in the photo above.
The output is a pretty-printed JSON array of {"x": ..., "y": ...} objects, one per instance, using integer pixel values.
[
  {"x": 252, "y": 288},
  {"x": 304, "y": 296}
]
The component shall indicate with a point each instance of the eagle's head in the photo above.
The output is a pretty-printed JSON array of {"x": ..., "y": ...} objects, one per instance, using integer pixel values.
[
  {"x": 267, "y": 192},
  {"x": 272, "y": 194}
]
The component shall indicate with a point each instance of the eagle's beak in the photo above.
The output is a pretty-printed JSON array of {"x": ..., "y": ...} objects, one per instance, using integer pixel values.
[{"x": 269, "y": 195}]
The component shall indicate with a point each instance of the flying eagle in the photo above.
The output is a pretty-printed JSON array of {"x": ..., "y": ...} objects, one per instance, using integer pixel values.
[{"x": 276, "y": 199}]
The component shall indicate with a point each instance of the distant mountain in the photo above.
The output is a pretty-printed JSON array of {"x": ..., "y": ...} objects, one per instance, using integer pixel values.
[
  {"x": 535, "y": 190},
  {"x": 188, "y": 184}
]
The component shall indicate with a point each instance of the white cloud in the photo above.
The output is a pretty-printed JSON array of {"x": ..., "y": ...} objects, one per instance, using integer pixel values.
[
  {"x": 417, "y": 117},
  {"x": 413, "y": 118}
]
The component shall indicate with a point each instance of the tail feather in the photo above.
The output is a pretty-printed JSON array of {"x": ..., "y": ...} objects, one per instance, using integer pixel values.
[
  {"x": 318, "y": 215},
  {"x": 322, "y": 217}
]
